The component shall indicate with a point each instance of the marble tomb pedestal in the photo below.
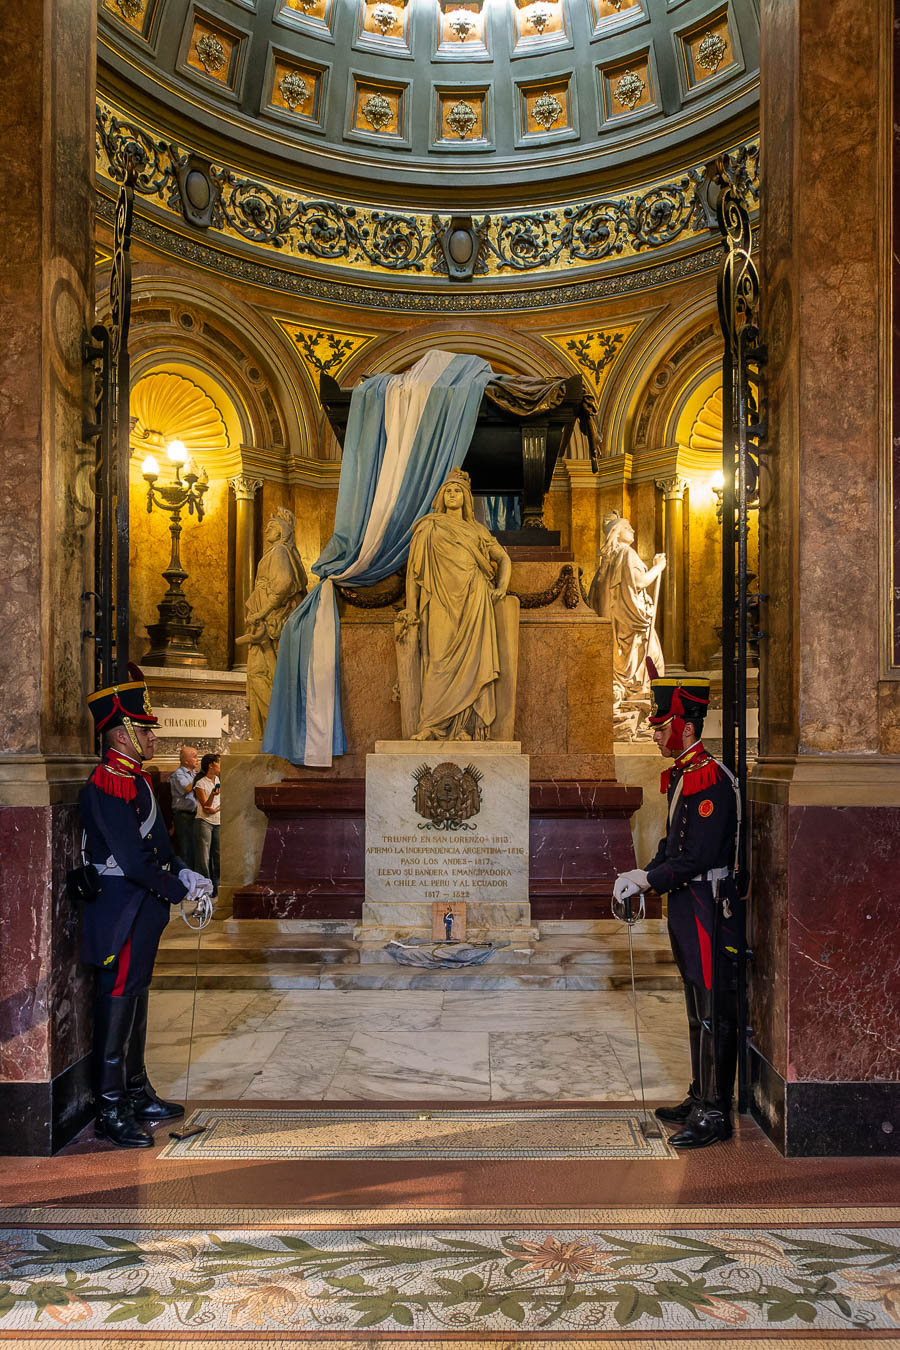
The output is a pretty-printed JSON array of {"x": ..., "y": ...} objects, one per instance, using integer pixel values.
[
  {"x": 311, "y": 864},
  {"x": 449, "y": 823}
]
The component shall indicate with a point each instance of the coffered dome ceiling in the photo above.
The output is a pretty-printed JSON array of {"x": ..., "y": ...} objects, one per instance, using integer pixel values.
[{"x": 497, "y": 100}]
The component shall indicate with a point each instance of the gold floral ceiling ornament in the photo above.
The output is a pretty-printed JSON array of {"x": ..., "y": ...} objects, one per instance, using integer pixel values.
[
  {"x": 539, "y": 15},
  {"x": 461, "y": 118},
  {"x": 377, "y": 111},
  {"x": 384, "y": 17},
  {"x": 462, "y": 23},
  {"x": 168, "y": 407},
  {"x": 294, "y": 89},
  {"x": 547, "y": 110},
  {"x": 130, "y": 9},
  {"x": 211, "y": 52},
  {"x": 711, "y": 52},
  {"x": 629, "y": 89}
]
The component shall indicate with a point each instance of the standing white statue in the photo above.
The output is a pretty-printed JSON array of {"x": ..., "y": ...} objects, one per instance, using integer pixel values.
[
  {"x": 626, "y": 591},
  {"x": 457, "y": 638},
  {"x": 280, "y": 586}
]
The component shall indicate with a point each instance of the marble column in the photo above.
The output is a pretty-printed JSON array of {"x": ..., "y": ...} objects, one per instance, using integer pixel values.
[
  {"x": 825, "y": 793},
  {"x": 245, "y": 489},
  {"x": 586, "y": 518},
  {"x": 47, "y": 55},
  {"x": 673, "y": 490}
]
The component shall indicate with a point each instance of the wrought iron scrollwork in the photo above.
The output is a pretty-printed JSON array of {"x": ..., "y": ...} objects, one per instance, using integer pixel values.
[
  {"x": 744, "y": 430},
  {"x": 105, "y": 352},
  {"x": 335, "y": 232}
]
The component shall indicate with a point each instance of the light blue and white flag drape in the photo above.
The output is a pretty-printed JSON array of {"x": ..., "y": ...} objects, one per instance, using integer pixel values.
[{"x": 404, "y": 435}]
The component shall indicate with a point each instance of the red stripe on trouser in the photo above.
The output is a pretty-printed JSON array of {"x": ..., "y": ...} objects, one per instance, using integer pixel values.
[
  {"x": 122, "y": 971},
  {"x": 705, "y": 953}
]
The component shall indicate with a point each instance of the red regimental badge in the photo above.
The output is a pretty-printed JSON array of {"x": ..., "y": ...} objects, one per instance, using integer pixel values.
[{"x": 706, "y": 808}]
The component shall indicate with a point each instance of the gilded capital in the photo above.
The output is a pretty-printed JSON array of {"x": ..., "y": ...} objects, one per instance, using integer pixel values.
[
  {"x": 244, "y": 487},
  {"x": 673, "y": 489}
]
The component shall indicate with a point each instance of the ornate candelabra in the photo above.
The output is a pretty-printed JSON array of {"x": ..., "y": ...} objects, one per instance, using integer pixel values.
[{"x": 173, "y": 641}]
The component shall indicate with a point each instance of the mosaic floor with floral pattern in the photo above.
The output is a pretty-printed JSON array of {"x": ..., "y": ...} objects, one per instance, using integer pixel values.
[{"x": 556, "y": 1278}]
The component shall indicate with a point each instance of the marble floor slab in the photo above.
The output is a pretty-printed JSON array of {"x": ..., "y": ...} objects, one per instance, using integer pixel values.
[
  {"x": 314, "y": 1045},
  {"x": 427, "y": 1064},
  {"x": 557, "y": 1066}
]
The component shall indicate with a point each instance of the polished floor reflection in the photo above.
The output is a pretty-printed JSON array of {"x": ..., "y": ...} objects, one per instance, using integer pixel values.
[{"x": 353, "y": 1045}]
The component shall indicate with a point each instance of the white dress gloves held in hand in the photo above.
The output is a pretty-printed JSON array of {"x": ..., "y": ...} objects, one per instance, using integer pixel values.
[
  {"x": 196, "y": 883},
  {"x": 630, "y": 883}
]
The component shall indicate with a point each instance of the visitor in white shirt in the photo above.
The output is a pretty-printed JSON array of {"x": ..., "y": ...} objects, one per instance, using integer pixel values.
[{"x": 206, "y": 821}]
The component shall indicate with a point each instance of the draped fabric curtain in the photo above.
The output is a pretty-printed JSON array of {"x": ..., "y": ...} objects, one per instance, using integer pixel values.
[{"x": 404, "y": 435}]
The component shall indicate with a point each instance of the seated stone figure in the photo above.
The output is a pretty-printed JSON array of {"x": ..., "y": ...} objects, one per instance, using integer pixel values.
[
  {"x": 280, "y": 586},
  {"x": 457, "y": 638}
]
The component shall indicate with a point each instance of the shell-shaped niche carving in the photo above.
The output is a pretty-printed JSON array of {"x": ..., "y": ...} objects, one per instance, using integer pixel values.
[
  {"x": 706, "y": 432},
  {"x": 169, "y": 407}
]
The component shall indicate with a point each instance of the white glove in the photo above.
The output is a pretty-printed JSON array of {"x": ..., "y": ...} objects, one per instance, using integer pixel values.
[
  {"x": 630, "y": 883},
  {"x": 197, "y": 884}
]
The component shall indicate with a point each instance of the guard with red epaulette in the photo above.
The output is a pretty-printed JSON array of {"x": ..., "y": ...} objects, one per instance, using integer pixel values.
[
  {"x": 139, "y": 877},
  {"x": 695, "y": 863}
]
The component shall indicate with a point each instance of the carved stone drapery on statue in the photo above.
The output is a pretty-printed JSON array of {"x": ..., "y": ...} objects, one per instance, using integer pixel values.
[
  {"x": 280, "y": 586},
  {"x": 626, "y": 591},
  {"x": 457, "y": 638}
]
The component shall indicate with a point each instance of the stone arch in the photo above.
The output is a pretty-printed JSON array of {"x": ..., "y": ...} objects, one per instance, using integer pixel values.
[{"x": 231, "y": 343}]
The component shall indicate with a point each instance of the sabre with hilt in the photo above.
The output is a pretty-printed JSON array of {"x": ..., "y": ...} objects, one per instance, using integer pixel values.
[
  {"x": 197, "y": 918},
  {"x": 623, "y": 909}
]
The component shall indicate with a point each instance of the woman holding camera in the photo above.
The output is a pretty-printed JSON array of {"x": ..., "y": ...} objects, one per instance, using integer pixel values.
[{"x": 206, "y": 822}]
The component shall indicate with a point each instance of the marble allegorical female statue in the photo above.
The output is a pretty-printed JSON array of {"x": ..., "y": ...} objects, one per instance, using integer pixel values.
[
  {"x": 280, "y": 586},
  {"x": 457, "y": 638},
  {"x": 625, "y": 591}
]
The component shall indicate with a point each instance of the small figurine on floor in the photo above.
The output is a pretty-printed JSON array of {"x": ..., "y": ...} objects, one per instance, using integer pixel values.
[
  {"x": 139, "y": 877},
  {"x": 695, "y": 864}
]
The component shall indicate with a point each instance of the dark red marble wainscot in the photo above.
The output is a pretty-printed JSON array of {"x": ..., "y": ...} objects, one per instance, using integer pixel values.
[
  {"x": 45, "y": 992},
  {"x": 844, "y": 944},
  {"x": 25, "y": 970},
  {"x": 825, "y": 981},
  {"x": 313, "y": 859}
]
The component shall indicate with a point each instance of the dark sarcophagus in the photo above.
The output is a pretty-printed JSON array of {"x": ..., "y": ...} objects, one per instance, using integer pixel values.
[{"x": 524, "y": 425}]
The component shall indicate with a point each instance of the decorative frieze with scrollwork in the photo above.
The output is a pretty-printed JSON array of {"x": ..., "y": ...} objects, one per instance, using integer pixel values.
[{"x": 341, "y": 234}]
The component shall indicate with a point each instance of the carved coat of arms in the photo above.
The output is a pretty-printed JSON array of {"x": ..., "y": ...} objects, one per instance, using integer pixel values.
[{"x": 447, "y": 796}]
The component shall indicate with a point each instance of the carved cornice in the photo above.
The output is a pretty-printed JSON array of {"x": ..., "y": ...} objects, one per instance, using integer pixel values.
[{"x": 244, "y": 213}]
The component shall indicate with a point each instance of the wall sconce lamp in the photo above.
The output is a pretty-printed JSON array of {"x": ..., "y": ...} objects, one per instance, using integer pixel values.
[
  {"x": 174, "y": 639},
  {"x": 717, "y": 483}
]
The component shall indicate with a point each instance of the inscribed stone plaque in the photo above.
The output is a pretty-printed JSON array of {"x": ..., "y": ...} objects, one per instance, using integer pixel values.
[{"x": 447, "y": 822}]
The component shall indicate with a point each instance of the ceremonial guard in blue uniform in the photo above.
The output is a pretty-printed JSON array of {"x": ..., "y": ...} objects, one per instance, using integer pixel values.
[
  {"x": 694, "y": 863},
  {"x": 126, "y": 841}
]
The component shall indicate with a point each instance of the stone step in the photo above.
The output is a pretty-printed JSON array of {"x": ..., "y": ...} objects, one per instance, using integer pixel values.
[
  {"x": 216, "y": 948},
  {"x": 277, "y": 975}
]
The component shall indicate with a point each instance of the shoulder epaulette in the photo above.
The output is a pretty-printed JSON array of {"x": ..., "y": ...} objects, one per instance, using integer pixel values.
[
  {"x": 114, "y": 783},
  {"x": 702, "y": 775}
]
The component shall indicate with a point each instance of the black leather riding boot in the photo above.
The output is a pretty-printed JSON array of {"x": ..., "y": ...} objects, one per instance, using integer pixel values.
[
  {"x": 113, "y": 1021},
  {"x": 710, "y": 1120},
  {"x": 677, "y": 1115},
  {"x": 726, "y": 1047},
  {"x": 144, "y": 1102}
]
